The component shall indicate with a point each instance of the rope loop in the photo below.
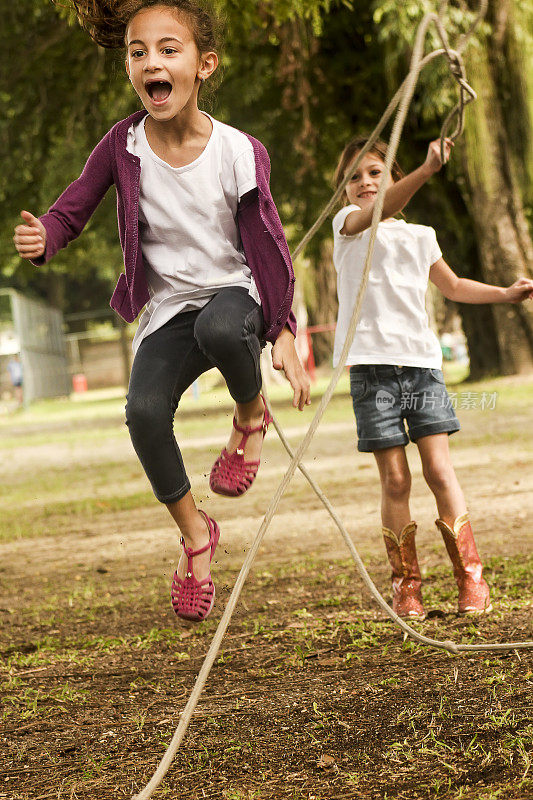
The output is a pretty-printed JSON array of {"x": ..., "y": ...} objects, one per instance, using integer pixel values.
[{"x": 456, "y": 66}]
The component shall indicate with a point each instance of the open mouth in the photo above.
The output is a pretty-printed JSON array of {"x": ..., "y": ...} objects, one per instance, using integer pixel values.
[
  {"x": 158, "y": 90},
  {"x": 367, "y": 194}
]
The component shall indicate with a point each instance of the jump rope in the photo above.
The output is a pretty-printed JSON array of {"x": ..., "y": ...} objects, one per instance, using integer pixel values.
[{"x": 402, "y": 100}]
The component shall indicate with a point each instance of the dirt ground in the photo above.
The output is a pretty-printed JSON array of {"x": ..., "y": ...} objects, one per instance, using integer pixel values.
[{"x": 316, "y": 695}]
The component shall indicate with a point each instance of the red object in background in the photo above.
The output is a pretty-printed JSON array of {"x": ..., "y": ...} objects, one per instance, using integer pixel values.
[
  {"x": 79, "y": 382},
  {"x": 311, "y": 366},
  {"x": 307, "y": 334}
]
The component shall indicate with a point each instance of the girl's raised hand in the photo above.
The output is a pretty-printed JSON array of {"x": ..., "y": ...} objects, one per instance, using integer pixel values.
[
  {"x": 30, "y": 239},
  {"x": 433, "y": 161},
  {"x": 522, "y": 289}
]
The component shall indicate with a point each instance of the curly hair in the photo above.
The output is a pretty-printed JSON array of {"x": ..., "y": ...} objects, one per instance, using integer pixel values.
[
  {"x": 379, "y": 149},
  {"x": 106, "y": 21}
]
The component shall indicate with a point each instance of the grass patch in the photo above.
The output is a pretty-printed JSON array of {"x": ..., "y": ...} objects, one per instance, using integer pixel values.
[
  {"x": 314, "y": 693},
  {"x": 53, "y": 519}
]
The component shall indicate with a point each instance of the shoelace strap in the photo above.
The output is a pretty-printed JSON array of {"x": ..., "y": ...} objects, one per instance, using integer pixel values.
[
  {"x": 190, "y": 553},
  {"x": 247, "y": 431}
]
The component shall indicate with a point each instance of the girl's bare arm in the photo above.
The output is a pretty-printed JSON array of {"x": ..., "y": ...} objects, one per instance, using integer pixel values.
[
  {"x": 463, "y": 290},
  {"x": 398, "y": 195}
]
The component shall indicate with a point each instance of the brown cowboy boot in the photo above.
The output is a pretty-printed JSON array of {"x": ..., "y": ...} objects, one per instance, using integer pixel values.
[
  {"x": 406, "y": 579},
  {"x": 473, "y": 590}
]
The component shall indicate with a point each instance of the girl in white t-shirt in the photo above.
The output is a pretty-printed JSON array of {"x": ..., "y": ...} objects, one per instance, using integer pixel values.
[
  {"x": 204, "y": 252},
  {"x": 395, "y": 365}
]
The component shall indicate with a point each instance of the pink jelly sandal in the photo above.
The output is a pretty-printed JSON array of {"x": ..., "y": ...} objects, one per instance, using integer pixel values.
[
  {"x": 231, "y": 475},
  {"x": 192, "y": 599}
]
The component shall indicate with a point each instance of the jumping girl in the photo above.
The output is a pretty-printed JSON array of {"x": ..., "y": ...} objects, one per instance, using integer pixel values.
[
  {"x": 395, "y": 365},
  {"x": 204, "y": 251}
]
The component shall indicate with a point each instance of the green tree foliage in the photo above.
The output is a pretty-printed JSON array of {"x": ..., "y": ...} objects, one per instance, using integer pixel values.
[
  {"x": 304, "y": 77},
  {"x": 61, "y": 93}
]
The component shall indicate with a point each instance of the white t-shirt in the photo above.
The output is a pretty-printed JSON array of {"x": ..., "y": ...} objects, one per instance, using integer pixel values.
[
  {"x": 393, "y": 327},
  {"x": 187, "y": 223}
]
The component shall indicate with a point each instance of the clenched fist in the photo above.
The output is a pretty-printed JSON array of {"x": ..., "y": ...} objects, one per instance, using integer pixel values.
[
  {"x": 433, "y": 159},
  {"x": 30, "y": 239}
]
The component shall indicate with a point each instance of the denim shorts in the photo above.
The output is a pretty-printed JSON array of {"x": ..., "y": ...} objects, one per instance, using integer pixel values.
[{"x": 385, "y": 397}]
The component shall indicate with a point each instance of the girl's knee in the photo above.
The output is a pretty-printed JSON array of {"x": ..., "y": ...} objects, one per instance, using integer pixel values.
[
  {"x": 438, "y": 476},
  {"x": 396, "y": 483},
  {"x": 146, "y": 414},
  {"x": 217, "y": 333}
]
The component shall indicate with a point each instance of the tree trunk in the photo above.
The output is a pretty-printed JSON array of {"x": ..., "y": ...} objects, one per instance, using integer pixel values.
[
  {"x": 301, "y": 78},
  {"x": 326, "y": 304},
  {"x": 493, "y": 196}
]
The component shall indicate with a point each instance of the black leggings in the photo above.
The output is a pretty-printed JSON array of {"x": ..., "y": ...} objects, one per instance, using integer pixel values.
[{"x": 226, "y": 333}]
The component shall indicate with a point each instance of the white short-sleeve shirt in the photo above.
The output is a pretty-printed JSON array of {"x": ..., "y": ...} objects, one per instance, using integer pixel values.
[
  {"x": 189, "y": 237},
  {"x": 393, "y": 327}
]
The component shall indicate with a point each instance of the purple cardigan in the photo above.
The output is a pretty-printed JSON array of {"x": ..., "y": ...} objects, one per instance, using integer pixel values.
[{"x": 263, "y": 240}]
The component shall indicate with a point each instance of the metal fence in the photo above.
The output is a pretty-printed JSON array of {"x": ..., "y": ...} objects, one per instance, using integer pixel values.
[{"x": 34, "y": 330}]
